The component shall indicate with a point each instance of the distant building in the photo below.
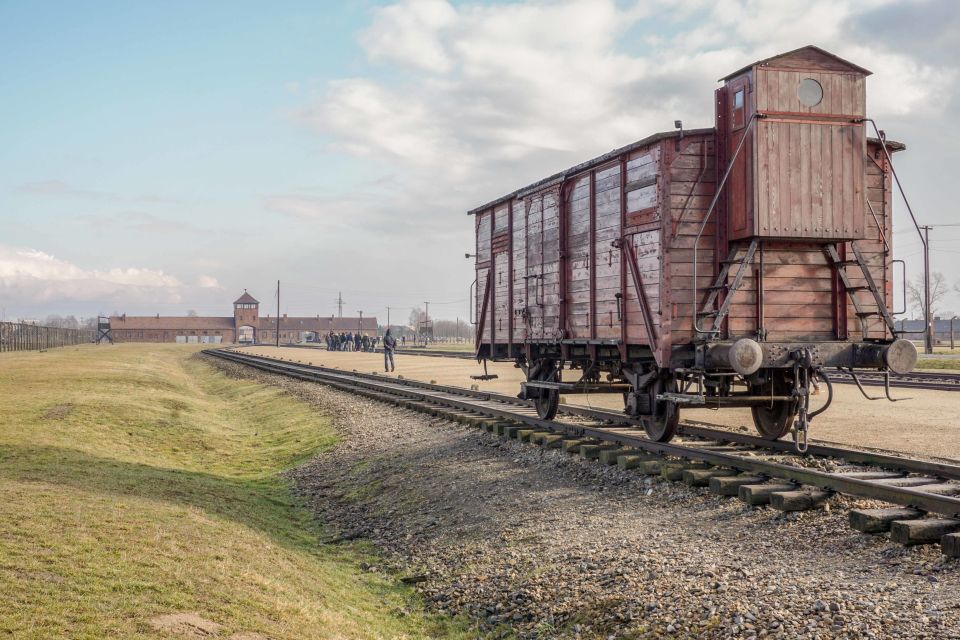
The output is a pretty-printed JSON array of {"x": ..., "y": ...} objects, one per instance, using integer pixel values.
[
  {"x": 245, "y": 326},
  {"x": 942, "y": 329}
]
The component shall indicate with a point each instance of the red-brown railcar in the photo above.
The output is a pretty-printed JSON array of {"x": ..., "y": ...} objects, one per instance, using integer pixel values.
[{"x": 713, "y": 267}]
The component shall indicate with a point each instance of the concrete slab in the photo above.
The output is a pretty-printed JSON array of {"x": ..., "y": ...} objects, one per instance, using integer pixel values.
[
  {"x": 800, "y": 500},
  {"x": 610, "y": 456},
  {"x": 756, "y": 494},
  {"x": 730, "y": 485},
  {"x": 701, "y": 477},
  {"x": 950, "y": 545},
  {"x": 592, "y": 451},
  {"x": 879, "y": 520},
  {"x": 923, "y": 531}
]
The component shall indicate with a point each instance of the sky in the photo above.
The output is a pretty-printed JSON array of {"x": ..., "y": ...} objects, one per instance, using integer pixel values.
[{"x": 163, "y": 157}]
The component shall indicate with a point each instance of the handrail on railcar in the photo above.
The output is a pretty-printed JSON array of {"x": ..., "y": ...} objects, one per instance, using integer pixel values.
[
  {"x": 883, "y": 145},
  {"x": 706, "y": 218},
  {"x": 916, "y": 225}
]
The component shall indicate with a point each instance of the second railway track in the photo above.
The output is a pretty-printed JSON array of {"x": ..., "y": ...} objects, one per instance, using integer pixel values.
[
  {"x": 931, "y": 380},
  {"x": 758, "y": 471}
]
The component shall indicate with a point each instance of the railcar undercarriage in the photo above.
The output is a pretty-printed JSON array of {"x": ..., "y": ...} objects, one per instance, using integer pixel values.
[{"x": 775, "y": 380}]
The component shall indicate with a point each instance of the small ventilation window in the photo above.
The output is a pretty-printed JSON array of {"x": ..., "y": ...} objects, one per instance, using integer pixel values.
[{"x": 810, "y": 92}]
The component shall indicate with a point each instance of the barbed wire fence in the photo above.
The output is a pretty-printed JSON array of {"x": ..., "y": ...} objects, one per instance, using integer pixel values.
[{"x": 23, "y": 336}]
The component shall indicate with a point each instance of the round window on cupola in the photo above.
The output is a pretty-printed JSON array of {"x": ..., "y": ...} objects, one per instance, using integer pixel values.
[{"x": 810, "y": 92}]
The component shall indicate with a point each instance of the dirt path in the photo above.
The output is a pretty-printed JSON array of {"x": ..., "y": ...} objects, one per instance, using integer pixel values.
[{"x": 516, "y": 537}]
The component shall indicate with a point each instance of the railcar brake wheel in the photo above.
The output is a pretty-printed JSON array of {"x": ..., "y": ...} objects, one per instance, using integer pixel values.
[
  {"x": 548, "y": 400},
  {"x": 774, "y": 421},
  {"x": 661, "y": 426}
]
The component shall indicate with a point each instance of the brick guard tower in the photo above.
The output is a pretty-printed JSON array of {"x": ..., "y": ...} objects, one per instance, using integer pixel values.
[{"x": 246, "y": 316}]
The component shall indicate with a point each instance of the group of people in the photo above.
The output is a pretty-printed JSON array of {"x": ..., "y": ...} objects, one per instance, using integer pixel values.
[{"x": 350, "y": 341}]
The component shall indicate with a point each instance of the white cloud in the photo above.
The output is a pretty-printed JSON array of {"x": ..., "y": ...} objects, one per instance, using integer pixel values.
[
  {"x": 208, "y": 282},
  {"x": 480, "y": 94},
  {"x": 409, "y": 33},
  {"x": 469, "y": 101},
  {"x": 30, "y": 276}
]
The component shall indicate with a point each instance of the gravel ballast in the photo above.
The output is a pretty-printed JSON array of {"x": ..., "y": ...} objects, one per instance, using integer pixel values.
[{"x": 535, "y": 542}]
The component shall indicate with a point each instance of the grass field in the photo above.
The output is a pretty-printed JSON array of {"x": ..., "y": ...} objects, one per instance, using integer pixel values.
[{"x": 137, "y": 481}]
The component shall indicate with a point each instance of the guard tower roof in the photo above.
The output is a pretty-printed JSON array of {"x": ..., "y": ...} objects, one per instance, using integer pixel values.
[{"x": 246, "y": 298}]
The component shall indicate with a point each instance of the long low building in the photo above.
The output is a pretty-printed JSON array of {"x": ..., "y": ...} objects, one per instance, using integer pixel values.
[{"x": 245, "y": 326}]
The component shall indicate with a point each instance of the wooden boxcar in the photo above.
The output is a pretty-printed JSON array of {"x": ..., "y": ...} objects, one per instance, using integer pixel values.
[{"x": 713, "y": 267}]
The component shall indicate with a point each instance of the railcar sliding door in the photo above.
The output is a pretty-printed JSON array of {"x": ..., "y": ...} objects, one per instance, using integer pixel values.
[
  {"x": 577, "y": 249},
  {"x": 483, "y": 294},
  {"x": 520, "y": 302},
  {"x": 533, "y": 282},
  {"x": 550, "y": 267},
  {"x": 606, "y": 317},
  {"x": 500, "y": 321}
]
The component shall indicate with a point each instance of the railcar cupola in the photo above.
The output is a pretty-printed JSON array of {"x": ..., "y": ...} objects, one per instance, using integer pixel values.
[{"x": 799, "y": 172}]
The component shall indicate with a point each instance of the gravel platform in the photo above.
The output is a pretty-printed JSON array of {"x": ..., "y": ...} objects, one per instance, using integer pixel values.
[{"x": 535, "y": 543}]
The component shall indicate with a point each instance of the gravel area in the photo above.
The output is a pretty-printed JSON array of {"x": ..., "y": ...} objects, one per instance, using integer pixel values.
[{"x": 537, "y": 543}]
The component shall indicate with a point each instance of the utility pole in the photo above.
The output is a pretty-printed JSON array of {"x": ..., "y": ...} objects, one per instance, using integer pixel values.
[
  {"x": 278, "y": 313},
  {"x": 927, "y": 321},
  {"x": 388, "y": 318},
  {"x": 426, "y": 321},
  {"x": 361, "y": 321},
  {"x": 340, "y": 305}
]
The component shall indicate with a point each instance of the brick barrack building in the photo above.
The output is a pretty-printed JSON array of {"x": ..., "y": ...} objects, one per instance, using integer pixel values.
[{"x": 245, "y": 326}]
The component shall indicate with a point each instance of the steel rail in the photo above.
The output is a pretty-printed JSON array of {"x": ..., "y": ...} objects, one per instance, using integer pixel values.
[
  {"x": 625, "y": 434},
  {"x": 914, "y": 380},
  {"x": 699, "y": 429}
]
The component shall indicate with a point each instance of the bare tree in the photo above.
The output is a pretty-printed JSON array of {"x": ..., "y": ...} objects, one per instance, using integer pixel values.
[
  {"x": 192, "y": 313},
  {"x": 938, "y": 289},
  {"x": 416, "y": 315},
  {"x": 453, "y": 329}
]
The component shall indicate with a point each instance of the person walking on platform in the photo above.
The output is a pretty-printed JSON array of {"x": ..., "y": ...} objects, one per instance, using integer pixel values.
[{"x": 389, "y": 344}]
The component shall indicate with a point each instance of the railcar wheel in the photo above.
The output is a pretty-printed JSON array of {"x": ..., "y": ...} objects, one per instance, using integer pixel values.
[
  {"x": 547, "y": 404},
  {"x": 661, "y": 426},
  {"x": 548, "y": 400},
  {"x": 775, "y": 421}
]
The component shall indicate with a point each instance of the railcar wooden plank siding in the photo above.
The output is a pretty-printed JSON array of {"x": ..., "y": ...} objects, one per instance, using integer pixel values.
[{"x": 724, "y": 260}]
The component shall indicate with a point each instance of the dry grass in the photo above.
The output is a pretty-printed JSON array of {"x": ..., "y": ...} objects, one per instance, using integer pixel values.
[{"x": 138, "y": 481}]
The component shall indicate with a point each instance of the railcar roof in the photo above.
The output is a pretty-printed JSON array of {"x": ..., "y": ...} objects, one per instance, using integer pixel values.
[
  {"x": 787, "y": 54},
  {"x": 610, "y": 155},
  {"x": 892, "y": 145}
]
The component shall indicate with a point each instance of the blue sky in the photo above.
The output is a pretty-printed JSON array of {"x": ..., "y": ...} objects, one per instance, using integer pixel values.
[{"x": 162, "y": 157}]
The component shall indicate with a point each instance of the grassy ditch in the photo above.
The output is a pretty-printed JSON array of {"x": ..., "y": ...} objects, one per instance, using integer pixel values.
[{"x": 142, "y": 499}]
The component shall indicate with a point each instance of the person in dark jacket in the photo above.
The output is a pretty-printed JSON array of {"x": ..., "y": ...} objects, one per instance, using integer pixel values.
[{"x": 389, "y": 344}]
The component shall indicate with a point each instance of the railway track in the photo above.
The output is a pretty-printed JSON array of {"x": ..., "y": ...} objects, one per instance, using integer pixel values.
[
  {"x": 935, "y": 381},
  {"x": 758, "y": 471}
]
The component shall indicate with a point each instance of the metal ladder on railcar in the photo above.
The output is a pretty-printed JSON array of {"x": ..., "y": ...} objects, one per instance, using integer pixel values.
[
  {"x": 721, "y": 284},
  {"x": 841, "y": 268}
]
